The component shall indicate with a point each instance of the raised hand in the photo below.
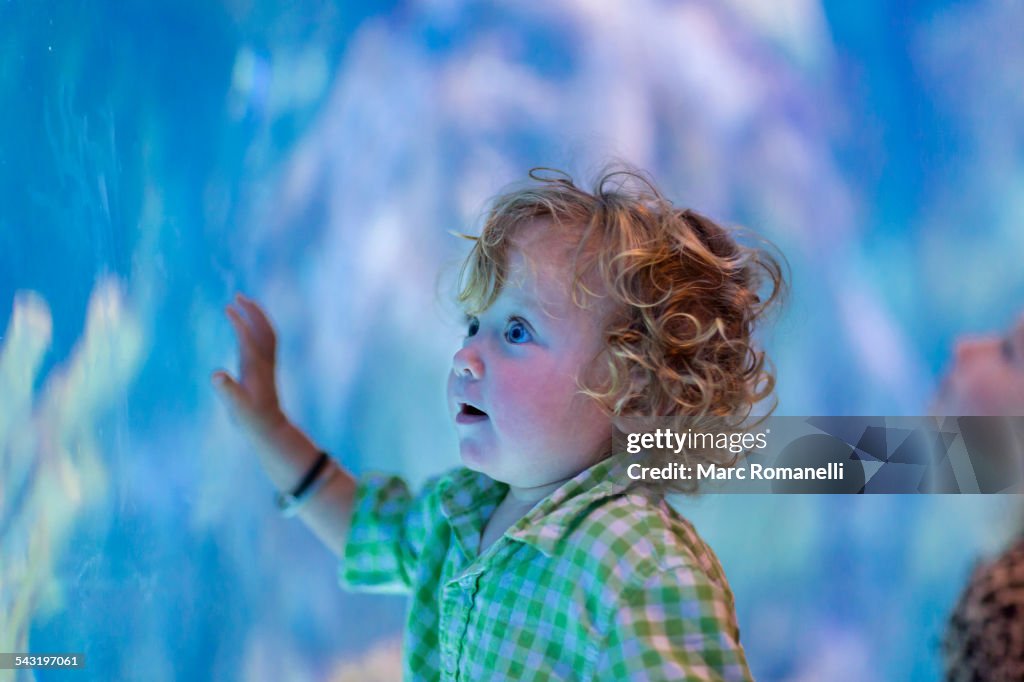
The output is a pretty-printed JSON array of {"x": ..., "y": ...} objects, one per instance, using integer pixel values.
[{"x": 252, "y": 398}]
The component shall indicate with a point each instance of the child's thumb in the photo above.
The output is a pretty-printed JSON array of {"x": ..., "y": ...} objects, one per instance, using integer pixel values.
[{"x": 226, "y": 386}]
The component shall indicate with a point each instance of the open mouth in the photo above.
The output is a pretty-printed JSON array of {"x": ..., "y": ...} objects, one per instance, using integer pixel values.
[{"x": 468, "y": 413}]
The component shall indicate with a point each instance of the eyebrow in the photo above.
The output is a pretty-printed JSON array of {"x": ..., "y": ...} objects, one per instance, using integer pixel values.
[
  {"x": 519, "y": 304},
  {"x": 525, "y": 303}
]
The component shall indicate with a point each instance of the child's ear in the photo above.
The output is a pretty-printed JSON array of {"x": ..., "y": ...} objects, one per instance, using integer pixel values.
[
  {"x": 630, "y": 398},
  {"x": 639, "y": 379},
  {"x": 639, "y": 383}
]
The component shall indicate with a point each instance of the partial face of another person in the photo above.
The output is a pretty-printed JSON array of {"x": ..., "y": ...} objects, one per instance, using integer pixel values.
[
  {"x": 513, "y": 390},
  {"x": 986, "y": 377}
]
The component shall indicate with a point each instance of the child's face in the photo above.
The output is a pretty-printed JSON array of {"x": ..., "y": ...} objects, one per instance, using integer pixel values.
[
  {"x": 986, "y": 378},
  {"x": 519, "y": 364}
]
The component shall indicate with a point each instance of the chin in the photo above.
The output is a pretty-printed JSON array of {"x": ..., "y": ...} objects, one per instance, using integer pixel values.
[{"x": 474, "y": 457}]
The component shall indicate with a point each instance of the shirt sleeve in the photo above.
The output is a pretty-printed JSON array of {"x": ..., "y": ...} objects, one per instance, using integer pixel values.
[
  {"x": 388, "y": 530},
  {"x": 676, "y": 625}
]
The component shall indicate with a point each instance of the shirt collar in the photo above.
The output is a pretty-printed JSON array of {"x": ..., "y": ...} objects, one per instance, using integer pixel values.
[{"x": 469, "y": 497}]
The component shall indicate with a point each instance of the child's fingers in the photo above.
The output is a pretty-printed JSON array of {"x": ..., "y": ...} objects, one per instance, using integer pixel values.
[
  {"x": 256, "y": 357},
  {"x": 239, "y": 323},
  {"x": 252, "y": 355},
  {"x": 261, "y": 325},
  {"x": 242, "y": 330}
]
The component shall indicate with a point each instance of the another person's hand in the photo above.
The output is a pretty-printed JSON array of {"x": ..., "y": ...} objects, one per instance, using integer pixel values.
[{"x": 252, "y": 398}]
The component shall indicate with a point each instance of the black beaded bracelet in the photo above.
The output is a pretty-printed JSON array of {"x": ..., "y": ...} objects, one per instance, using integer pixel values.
[{"x": 289, "y": 503}]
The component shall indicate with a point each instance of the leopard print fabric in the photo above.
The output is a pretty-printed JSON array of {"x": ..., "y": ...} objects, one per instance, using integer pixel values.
[{"x": 984, "y": 640}]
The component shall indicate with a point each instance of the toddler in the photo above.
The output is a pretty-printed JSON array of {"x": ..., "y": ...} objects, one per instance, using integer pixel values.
[{"x": 540, "y": 559}]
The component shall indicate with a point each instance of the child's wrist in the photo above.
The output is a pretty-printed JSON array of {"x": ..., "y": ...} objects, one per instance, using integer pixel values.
[{"x": 286, "y": 452}]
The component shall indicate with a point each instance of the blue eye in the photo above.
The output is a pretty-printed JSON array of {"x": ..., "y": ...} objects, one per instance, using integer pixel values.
[
  {"x": 472, "y": 325},
  {"x": 517, "y": 332}
]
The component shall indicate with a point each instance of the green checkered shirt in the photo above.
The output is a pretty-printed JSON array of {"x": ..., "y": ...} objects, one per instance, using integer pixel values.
[{"x": 598, "y": 581}]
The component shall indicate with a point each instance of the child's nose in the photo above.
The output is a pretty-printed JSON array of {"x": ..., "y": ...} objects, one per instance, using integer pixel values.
[{"x": 467, "y": 361}]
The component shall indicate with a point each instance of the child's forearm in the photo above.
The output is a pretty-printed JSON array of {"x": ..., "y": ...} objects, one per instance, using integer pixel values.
[{"x": 286, "y": 454}]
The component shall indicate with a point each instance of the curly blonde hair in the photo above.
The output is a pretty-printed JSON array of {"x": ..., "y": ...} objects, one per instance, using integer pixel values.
[{"x": 685, "y": 292}]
